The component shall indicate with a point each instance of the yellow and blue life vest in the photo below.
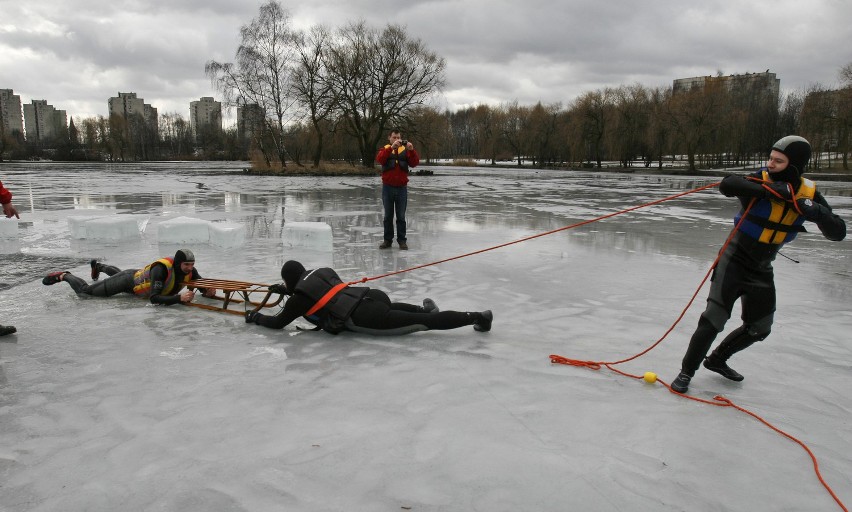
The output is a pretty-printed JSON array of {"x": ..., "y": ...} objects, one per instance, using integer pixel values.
[{"x": 775, "y": 221}]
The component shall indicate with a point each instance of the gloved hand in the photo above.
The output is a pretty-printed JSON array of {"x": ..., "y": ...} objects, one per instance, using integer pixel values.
[
  {"x": 251, "y": 316},
  {"x": 810, "y": 210},
  {"x": 778, "y": 188},
  {"x": 279, "y": 288}
]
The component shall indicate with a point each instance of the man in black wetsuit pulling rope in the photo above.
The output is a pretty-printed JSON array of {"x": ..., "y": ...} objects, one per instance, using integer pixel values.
[{"x": 775, "y": 202}]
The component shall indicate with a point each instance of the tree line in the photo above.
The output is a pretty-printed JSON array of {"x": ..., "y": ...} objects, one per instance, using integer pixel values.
[{"x": 325, "y": 94}]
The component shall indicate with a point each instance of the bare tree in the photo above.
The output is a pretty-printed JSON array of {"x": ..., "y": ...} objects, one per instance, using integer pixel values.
[
  {"x": 311, "y": 84},
  {"x": 431, "y": 128},
  {"x": 695, "y": 117},
  {"x": 820, "y": 122},
  {"x": 659, "y": 130},
  {"x": 262, "y": 75},
  {"x": 378, "y": 78},
  {"x": 844, "y": 115},
  {"x": 486, "y": 123},
  {"x": 541, "y": 132},
  {"x": 595, "y": 109},
  {"x": 629, "y": 124}
]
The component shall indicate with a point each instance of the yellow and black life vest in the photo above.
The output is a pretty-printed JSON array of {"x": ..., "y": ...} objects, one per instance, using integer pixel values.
[
  {"x": 142, "y": 279},
  {"x": 775, "y": 221},
  {"x": 400, "y": 157}
]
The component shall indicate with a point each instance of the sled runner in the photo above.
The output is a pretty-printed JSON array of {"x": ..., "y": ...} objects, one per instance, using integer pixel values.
[{"x": 235, "y": 292}]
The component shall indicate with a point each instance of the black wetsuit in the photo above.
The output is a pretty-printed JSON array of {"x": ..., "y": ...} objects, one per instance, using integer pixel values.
[
  {"x": 121, "y": 281},
  {"x": 358, "y": 309},
  {"x": 745, "y": 272}
]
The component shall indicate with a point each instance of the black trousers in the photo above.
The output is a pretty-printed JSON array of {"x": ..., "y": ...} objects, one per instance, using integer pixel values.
[
  {"x": 118, "y": 281},
  {"x": 733, "y": 279},
  {"x": 376, "y": 314}
]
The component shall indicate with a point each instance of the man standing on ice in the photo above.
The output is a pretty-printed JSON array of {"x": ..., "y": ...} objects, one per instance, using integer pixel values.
[
  {"x": 396, "y": 158},
  {"x": 161, "y": 281},
  {"x": 776, "y": 201}
]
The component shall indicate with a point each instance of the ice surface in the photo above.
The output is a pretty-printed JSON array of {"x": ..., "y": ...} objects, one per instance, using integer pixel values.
[
  {"x": 77, "y": 225},
  {"x": 309, "y": 242},
  {"x": 116, "y": 227},
  {"x": 227, "y": 234},
  {"x": 183, "y": 230},
  {"x": 307, "y": 235},
  {"x": 115, "y": 404},
  {"x": 8, "y": 228},
  {"x": 105, "y": 227}
]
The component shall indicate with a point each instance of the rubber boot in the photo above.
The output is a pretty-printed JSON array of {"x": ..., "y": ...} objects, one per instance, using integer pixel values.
[
  {"x": 483, "y": 321},
  {"x": 681, "y": 382},
  {"x": 739, "y": 339},
  {"x": 429, "y": 306},
  {"x": 53, "y": 278}
]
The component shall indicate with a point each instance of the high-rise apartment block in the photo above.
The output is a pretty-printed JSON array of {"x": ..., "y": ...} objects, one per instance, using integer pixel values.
[
  {"x": 11, "y": 118},
  {"x": 765, "y": 82},
  {"x": 126, "y": 105},
  {"x": 205, "y": 114},
  {"x": 249, "y": 121},
  {"x": 43, "y": 122}
]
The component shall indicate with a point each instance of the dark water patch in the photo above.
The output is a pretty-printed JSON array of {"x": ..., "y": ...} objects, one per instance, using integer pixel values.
[{"x": 17, "y": 269}]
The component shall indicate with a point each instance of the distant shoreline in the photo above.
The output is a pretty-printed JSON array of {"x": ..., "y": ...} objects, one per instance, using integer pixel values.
[{"x": 336, "y": 170}]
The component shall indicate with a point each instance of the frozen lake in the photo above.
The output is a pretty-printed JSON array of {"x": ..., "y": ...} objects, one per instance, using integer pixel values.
[{"x": 114, "y": 404}]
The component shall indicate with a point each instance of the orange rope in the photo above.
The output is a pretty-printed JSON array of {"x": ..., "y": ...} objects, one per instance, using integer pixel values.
[
  {"x": 564, "y": 228},
  {"x": 728, "y": 403},
  {"x": 596, "y": 365},
  {"x": 719, "y": 400}
]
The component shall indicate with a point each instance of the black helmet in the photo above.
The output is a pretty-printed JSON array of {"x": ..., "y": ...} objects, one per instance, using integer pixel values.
[
  {"x": 796, "y": 149},
  {"x": 182, "y": 256},
  {"x": 291, "y": 272}
]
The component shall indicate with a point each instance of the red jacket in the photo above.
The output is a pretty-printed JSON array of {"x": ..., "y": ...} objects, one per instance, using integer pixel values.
[
  {"x": 395, "y": 174},
  {"x": 5, "y": 195}
]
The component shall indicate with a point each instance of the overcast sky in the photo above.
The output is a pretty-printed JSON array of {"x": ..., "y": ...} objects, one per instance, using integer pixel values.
[{"x": 77, "y": 53}]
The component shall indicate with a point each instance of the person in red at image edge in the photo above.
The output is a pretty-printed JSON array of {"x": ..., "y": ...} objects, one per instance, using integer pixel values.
[
  {"x": 162, "y": 281},
  {"x": 6, "y": 200},
  {"x": 396, "y": 158},
  {"x": 9, "y": 211},
  {"x": 782, "y": 201}
]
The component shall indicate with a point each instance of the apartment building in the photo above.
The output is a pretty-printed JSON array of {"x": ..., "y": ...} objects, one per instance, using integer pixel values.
[
  {"x": 11, "y": 117},
  {"x": 249, "y": 121},
  {"x": 766, "y": 83},
  {"x": 43, "y": 122},
  {"x": 205, "y": 114},
  {"x": 127, "y": 104}
]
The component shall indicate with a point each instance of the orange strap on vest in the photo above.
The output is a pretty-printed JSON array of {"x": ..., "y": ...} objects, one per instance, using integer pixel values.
[{"x": 325, "y": 298}]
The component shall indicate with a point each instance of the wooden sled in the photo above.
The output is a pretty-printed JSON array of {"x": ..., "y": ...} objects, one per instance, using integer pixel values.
[{"x": 235, "y": 292}]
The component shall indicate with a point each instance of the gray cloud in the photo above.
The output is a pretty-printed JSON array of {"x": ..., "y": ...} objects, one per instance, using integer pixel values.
[{"x": 76, "y": 53}]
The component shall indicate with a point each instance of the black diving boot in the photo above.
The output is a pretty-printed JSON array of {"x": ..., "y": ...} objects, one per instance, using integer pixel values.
[
  {"x": 429, "y": 306},
  {"x": 483, "y": 324},
  {"x": 721, "y": 367},
  {"x": 53, "y": 278},
  {"x": 681, "y": 382}
]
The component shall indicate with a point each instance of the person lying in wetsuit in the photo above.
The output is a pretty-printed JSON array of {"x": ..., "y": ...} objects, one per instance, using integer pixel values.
[
  {"x": 161, "y": 281},
  {"x": 323, "y": 299}
]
